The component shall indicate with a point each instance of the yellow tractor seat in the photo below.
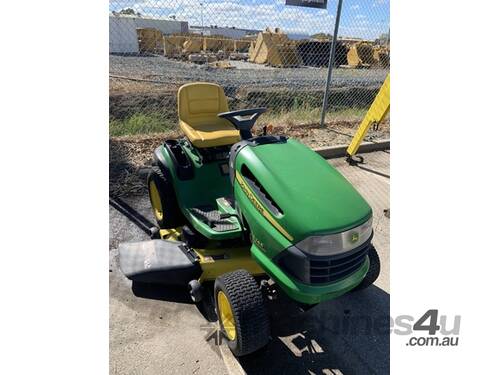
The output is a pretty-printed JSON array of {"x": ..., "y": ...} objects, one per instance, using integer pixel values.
[{"x": 198, "y": 105}]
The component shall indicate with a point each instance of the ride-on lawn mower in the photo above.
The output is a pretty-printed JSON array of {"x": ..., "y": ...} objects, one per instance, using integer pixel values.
[{"x": 236, "y": 209}]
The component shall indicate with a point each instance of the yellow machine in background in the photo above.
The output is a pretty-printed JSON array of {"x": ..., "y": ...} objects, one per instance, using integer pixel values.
[
  {"x": 375, "y": 115},
  {"x": 273, "y": 47},
  {"x": 150, "y": 40},
  {"x": 361, "y": 55}
]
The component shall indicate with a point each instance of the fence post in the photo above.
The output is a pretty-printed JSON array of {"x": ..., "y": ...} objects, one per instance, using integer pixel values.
[{"x": 331, "y": 63}]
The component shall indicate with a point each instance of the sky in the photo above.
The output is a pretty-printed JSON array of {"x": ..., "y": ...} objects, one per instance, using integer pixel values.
[{"x": 365, "y": 19}]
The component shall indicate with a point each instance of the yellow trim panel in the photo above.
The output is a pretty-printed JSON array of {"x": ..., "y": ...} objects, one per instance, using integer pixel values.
[{"x": 215, "y": 261}]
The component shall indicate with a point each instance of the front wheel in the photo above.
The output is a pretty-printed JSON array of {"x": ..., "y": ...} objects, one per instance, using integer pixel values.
[
  {"x": 241, "y": 312},
  {"x": 373, "y": 271}
]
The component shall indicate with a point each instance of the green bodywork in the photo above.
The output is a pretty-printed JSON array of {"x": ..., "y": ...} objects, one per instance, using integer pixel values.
[
  {"x": 304, "y": 293},
  {"x": 312, "y": 198},
  {"x": 204, "y": 189}
]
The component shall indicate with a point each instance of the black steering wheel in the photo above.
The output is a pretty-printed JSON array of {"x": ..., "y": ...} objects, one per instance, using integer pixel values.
[{"x": 243, "y": 120}]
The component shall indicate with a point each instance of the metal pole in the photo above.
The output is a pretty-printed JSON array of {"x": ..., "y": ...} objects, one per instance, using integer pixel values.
[
  {"x": 331, "y": 63},
  {"x": 202, "y": 25}
]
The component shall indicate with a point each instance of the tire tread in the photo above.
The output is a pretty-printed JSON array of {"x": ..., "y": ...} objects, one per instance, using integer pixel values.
[{"x": 251, "y": 317}]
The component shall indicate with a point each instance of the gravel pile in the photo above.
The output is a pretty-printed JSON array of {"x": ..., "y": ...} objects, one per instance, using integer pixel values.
[{"x": 159, "y": 68}]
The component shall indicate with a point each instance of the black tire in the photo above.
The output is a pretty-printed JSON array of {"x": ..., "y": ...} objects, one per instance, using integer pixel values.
[
  {"x": 207, "y": 304},
  {"x": 172, "y": 216},
  {"x": 373, "y": 271},
  {"x": 248, "y": 308}
]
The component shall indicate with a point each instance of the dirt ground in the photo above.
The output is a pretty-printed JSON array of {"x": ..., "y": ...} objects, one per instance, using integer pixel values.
[{"x": 130, "y": 156}]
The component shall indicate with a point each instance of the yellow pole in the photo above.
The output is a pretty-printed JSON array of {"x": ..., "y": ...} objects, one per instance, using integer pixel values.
[{"x": 377, "y": 112}]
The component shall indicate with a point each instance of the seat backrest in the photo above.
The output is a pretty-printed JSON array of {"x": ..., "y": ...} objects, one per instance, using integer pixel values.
[{"x": 199, "y": 103}]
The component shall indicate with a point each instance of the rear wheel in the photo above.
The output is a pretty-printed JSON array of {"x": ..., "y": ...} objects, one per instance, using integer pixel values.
[
  {"x": 163, "y": 200},
  {"x": 241, "y": 312}
]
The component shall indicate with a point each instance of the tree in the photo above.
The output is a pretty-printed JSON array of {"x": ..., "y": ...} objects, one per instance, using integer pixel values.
[
  {"x": 321, "y": 36},
  {"x": 129, "y": 11}
]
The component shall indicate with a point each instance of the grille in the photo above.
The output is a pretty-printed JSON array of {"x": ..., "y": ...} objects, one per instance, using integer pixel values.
[{"x": 335, "y": 268}]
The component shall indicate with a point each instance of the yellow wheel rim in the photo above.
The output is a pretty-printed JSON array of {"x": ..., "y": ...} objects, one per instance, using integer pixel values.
[
  {"x": 226, "y": 315},
  {"x": 154, "y": 194}
]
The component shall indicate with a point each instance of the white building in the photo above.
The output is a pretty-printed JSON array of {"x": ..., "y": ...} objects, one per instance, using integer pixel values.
[
  {"x": 123, "y": 35},
  {"x": 230, "y": 32},
  {"x": 235, "y": 33}
]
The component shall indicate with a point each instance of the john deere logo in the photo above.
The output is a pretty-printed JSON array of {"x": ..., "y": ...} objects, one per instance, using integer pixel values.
[{"x": 354, "y": 237}]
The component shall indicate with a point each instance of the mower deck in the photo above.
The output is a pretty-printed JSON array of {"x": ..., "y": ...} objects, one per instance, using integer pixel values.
[
  {"x": 215, "y": 261},
  {"x": 168, "y": 261},
  {"x": 159, "y": 262}
]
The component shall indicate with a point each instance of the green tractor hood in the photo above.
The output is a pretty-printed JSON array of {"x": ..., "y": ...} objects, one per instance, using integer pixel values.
[{"x": 300, "y": 190}]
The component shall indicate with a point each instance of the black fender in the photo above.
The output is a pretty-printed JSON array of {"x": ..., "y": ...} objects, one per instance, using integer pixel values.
[{"x": 182, "y": 165}]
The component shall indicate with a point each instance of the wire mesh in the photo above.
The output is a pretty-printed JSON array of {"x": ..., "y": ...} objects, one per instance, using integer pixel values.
[{"x": 263, "y": 53}]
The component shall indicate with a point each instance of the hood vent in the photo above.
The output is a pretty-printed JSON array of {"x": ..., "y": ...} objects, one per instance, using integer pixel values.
[{"x": 259, "y": 190}]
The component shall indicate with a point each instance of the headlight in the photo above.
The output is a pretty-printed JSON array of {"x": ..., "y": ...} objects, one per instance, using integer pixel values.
[{"x": 338, "y": 243}]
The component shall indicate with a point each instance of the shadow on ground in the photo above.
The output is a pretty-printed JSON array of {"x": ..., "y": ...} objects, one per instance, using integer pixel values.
[
  {"x": 161, "y": 292},
  {"x": 350, "y": 334},
  {"x": 177, "y": 294}
]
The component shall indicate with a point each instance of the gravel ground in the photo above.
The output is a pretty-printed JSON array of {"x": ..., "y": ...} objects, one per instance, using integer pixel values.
[{"x": 159, "y": 68}]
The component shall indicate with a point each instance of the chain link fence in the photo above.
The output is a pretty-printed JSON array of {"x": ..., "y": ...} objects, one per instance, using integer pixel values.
[{"x": 264, "y": 53}]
